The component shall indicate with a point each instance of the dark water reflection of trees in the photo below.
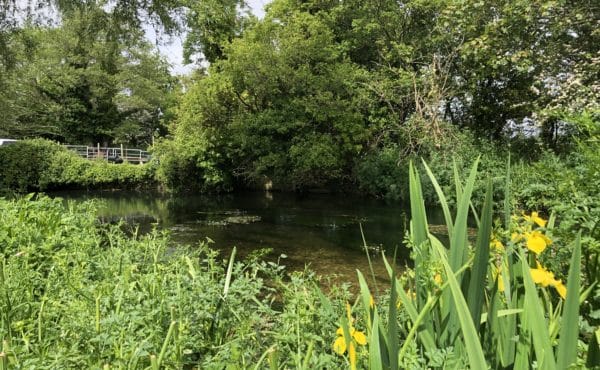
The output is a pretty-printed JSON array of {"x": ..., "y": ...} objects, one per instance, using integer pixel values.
[{"x": 319, "y": 230}]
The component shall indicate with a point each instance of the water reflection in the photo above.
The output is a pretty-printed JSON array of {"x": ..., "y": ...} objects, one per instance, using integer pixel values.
[{"x": 320, "y": 230}]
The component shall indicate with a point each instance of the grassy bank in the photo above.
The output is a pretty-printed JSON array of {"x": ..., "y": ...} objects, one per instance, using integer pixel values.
[{"x": 79, "y": 294}]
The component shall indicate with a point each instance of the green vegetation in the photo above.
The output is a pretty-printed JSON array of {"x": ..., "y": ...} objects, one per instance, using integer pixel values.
[
  {"x": 38, "y": 165},
  {"x": 82, "y": 83},
  {"x": 343, "y": 95},
  {"x": 77, "y": 294},
  {"x": 317, "y": 95},
  {"x": 69, "y": 285}
]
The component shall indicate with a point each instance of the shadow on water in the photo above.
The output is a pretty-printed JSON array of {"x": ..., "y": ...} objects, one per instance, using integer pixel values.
[{"x": 318, "y": 230}]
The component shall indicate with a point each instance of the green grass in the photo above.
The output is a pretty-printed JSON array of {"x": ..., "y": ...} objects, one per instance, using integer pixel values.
[{"x": 79, "y": 294}]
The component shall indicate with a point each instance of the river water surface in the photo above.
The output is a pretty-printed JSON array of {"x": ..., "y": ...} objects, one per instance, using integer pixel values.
[{"x": 321, "y": 231}]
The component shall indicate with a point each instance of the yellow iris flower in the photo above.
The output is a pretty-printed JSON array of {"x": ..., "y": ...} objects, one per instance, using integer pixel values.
[
  {"x": 437, "y": 278},
  {"x": 536, "y": 241},
  {"x": 497, "y": 245},
  {"x": 356, "y": 338},
  {"x": 497, "y": 273},
  {"x": 535, "y": 218},
  {"x": 543, "y": 277}
]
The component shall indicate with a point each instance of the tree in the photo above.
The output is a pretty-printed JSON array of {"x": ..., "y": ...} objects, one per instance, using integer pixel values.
[{"x": 81, "y": 84}]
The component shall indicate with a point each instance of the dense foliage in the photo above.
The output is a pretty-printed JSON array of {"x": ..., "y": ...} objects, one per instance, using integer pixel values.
[
  {"x": 34, "y": 165},
  {"x": 81, "y": 83},
  {"x": 337, "y": 95},
  {"x": 77, "y": 294}
]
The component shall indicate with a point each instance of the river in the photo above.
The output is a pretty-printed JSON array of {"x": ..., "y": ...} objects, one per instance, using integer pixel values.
[{"x": 321, "y": 231}]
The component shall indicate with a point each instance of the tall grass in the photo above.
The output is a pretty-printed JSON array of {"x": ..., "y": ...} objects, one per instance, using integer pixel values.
[
  {"x": 478, "y": 305},
  {"x": 76, "y": 294}
]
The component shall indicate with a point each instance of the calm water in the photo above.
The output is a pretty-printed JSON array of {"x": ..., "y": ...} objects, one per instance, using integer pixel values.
[{"x": 321, "y": 231}]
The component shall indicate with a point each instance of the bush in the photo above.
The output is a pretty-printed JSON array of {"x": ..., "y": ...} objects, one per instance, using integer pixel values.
[
  {"x": 23, "y": 163},
  {"x": 38, "y": 165},
  {"x": 380, "y": 174},
  {"x": 190, "y": 166}
]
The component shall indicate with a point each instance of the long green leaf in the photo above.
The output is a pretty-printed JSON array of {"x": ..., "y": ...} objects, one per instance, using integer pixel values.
[
  {"x": 441, "y": 198},
  {"x": 458, "y": 254},
  {"x": 229, "y": 273},
  {"x": 593, "y": 359},
  {"x": 393, "y": 327},
  {"x": 569, "y": 330},
  {"x": 507, "y": 196},
  {"x": 476, "y": 292},
  {"x": 365, "y": 295},
  {"x": 458, "y": 242},
  {"x": 375, "y": 360},
  {"x": 469, "y": 334},
  {"x": 417, "y": 208},
  {"x": 419, "y": 233},
  {"x": 535, "y": 320}
]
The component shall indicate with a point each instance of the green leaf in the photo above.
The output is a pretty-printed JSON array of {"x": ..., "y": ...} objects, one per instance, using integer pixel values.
[
  {"x": 469, "y": 333},
  {"x": 569, "y": 330},
  {"x": 593, "y": 358},
  {"x": 476, "y": 292},
  {"x": 393, "y": 327},
  {"x": 365, "y": 295},
  {"x": 375, "y": 361},
  {"x": 442, "y": 199},
  {"x": 535, "y": 319}
]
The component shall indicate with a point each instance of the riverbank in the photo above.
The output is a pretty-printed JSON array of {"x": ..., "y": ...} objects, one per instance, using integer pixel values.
[
  {"x": 84, "y": 294},
  {"x": 77, "y": 294}
]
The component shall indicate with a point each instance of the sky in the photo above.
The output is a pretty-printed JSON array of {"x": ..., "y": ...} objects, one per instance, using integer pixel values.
[{"x": 173, "y": 50}]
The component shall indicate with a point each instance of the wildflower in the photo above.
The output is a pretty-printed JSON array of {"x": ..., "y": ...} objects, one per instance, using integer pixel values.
[
  {"x": 516, "y": 237},
  {"x": 497, "y": 273},
  {"x": 536, "y": 241},
  {"x": 356, "y": 338},
  {"x": 535, "y": 218},
  {"x": 543, "y": 277},
  {"x": 497, "y": 245},
  {"x": 438, "y": 279}
]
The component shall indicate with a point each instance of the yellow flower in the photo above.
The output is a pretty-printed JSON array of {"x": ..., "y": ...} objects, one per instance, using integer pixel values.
[
  {"x": 500, "y": 283},
  {"x": 516, "y": 237},
  {"x": 356, "y": 338},
  {"x": 497, "y": 245},
  {"x": 535, "y": 218},
  {"x": 543, "y": 277},
  {"x": 340, "y": 345},
  {"x": 537, "y": 242},
  {"x": 371, "y": 302},
  {"x": 561, "y": 289},
  {"x": 438, "y": 279},
  {"x": 497, "y": 273}
]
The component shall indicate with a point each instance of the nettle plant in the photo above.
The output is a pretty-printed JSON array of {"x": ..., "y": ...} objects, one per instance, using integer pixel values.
[{"x": 477, "y": 305}]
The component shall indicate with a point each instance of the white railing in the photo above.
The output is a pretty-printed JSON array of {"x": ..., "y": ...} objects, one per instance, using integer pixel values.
[{"x": 111, "y": 154}]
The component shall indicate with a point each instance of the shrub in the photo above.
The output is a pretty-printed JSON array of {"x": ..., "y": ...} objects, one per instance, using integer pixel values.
[
  {"x": 23, "y": 163},
  {"x": 190, "y": 166},
  {"x": 38, "y": 165}
]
